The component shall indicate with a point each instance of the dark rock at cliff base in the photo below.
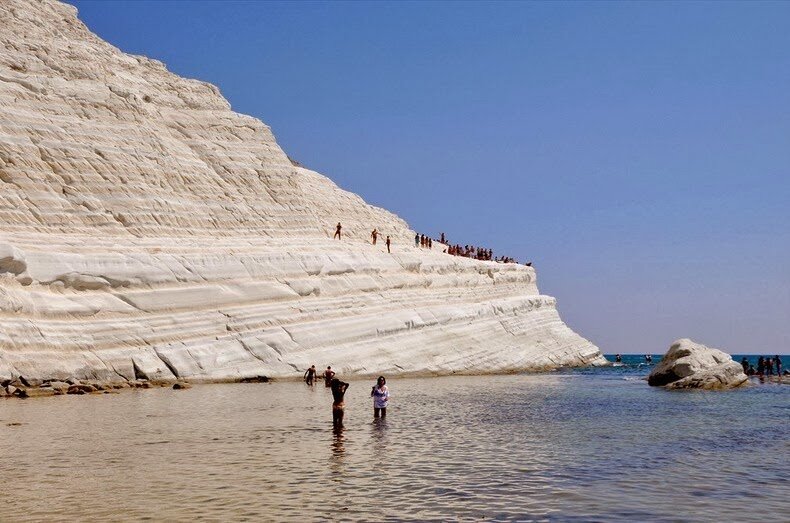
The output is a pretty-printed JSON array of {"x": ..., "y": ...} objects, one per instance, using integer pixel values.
[
  {"x": 255, "y": 379},
  {"x": 690, "y": 365},
  {"x": 81, "y": 389}
]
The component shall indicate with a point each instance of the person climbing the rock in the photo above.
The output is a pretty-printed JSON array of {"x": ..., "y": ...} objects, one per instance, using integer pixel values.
[
  {"x": 337, "y": 231},
  {"x": 328, "y": 375},
  {"x": 381, "y": 396},
  {"x": 374, "y": 235},
  {"x": 310, "y": 375},
  {"x": 388, "y": 243},
  {"x": 338, "y": 405}
]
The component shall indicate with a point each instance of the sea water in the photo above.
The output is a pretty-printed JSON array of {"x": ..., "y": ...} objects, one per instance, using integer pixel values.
[{"x": 583, "y": 445}]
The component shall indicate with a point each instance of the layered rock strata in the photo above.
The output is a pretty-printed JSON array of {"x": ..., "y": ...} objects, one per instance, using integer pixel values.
[
  {"x": 149, "y": 232},
  {"x": 691, "y": 365}
]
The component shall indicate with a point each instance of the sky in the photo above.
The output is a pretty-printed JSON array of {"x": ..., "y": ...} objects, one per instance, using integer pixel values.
[{"x": 637, "y": 153}]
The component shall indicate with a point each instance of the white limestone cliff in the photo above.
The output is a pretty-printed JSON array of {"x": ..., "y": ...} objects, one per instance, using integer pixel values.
[{"x": 146, "y": 230}]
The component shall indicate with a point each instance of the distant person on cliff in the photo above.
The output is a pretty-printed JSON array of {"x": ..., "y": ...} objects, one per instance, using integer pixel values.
[
  {"x": 441, "y": 238},
  {"x": 381, "y": 396},
  {"x": 745, "y": 364},
  {"x": 328, "y": 375},
  {"x": 337, "y": 231},
  {"x": 388, "y": 243},
  {"x": 374, "y": 235},
  {"x": 338, "y": 406},
  {"x": 310, "y": 375},
  {"x": 430, "y": 243}
]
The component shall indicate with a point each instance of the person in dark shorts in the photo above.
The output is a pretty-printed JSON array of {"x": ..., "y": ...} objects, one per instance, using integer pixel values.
[
  {"x": 310, "y": 375},
  {"x": 338, "y": 405},
  {"x": 337, "y": 231},
  {"x": 328, "y": 375}
]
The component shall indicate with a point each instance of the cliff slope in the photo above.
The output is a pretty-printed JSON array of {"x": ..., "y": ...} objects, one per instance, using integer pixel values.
[{"x": 146, "y": 230}]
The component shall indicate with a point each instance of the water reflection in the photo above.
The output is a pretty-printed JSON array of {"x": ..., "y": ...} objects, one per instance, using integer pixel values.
[{"x": 565, "y": 447}]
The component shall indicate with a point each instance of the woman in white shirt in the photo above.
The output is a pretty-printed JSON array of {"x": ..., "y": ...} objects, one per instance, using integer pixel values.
[{"x": 381, "y": 396}]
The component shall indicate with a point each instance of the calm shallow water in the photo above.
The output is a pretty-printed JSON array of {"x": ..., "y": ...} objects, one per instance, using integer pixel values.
[{"x": 577, "y": 446}]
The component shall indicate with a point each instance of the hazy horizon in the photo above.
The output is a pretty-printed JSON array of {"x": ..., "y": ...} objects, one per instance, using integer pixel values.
[{"x": 637, "y": 153}]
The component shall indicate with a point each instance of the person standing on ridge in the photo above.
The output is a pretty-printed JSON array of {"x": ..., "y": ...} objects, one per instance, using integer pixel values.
[
  {"x": 374, "y": 235},
  {"x": 337, "y": 231},
  {"x": 388, "y": 243},
  {"x": 381, "y": 396},
  {"x": 416, "y": 240},
  {"x": 328, "y": 375},
  {"x": 441, "y": 238},
  {"x": 338, "y": 405}
]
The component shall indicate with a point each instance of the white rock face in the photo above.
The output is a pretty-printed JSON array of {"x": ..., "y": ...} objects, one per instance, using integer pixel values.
[
  {"x": 146, "y": 230},
  {"x": 690, "y": 365}
]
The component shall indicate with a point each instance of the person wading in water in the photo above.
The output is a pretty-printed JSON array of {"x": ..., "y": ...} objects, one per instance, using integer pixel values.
[
  {"x": 328, "y": 375},
  {"x": 381, "y": 396},
  {"x": 337, "y": 231},
  {"x": 338, "y": 406},
  {"x": 310, "y": 375}
]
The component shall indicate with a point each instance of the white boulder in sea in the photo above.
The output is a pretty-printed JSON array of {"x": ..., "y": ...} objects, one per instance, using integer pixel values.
[
  {"x": 147, "y": 231},
  {"x": 690, "y": 365}
]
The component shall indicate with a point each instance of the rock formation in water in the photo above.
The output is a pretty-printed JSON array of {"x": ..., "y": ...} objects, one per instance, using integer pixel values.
[
  {"x": 690, "y": 365},
  {"x": 148, "y": 231}
]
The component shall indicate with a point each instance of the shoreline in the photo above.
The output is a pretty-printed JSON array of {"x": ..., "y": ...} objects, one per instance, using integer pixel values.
[{"x": 21, "y": 388}]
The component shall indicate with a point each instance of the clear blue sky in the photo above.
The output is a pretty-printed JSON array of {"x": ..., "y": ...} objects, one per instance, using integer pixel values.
[{"x": 637, "y": 153}]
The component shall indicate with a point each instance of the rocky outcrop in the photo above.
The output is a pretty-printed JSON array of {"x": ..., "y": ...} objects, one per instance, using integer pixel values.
[
  {"x": 148, "y": 232},
  {"x": 690, "y": 365}
]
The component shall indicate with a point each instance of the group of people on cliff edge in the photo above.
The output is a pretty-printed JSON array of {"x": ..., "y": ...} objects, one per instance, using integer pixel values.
[{"x": 426, "y": 242}]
